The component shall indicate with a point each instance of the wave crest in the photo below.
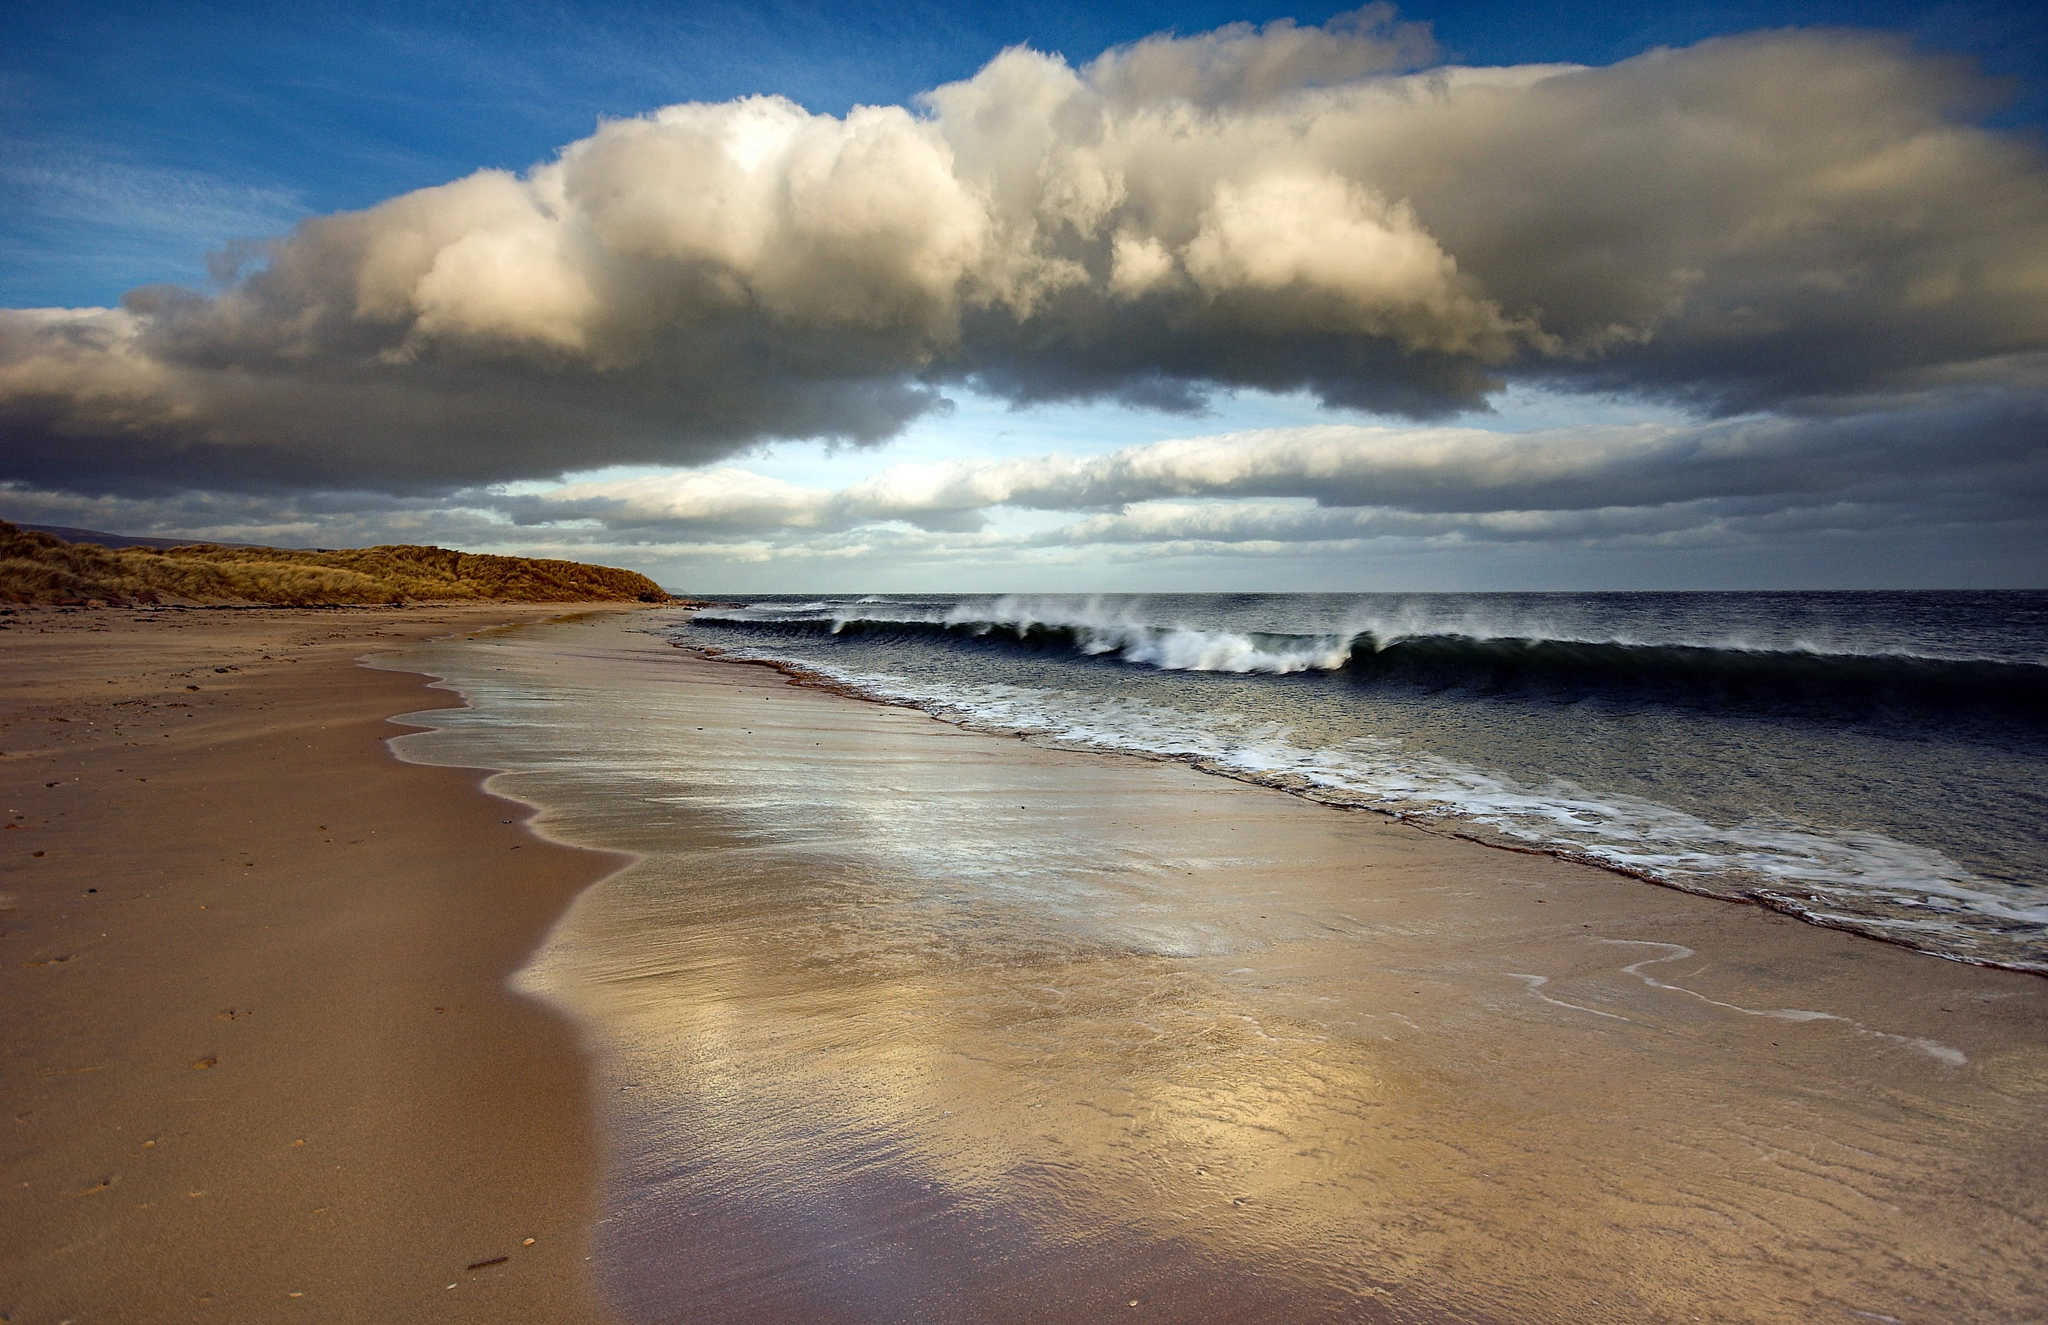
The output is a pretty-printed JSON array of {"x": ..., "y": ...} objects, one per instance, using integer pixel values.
[{"x": 1372, "y": 652}]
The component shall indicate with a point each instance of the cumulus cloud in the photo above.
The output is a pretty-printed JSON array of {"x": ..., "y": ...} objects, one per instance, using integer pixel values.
[{"x": 1805, "y": 222}]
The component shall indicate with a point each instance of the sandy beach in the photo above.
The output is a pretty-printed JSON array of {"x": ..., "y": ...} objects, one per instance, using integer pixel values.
[
  {"x": 886, "y": 1020},
  {"x": 994, "y": 664},
  {"x": 261, "y": 1063}
]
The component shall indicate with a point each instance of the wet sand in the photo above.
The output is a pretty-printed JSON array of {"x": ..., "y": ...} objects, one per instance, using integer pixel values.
[
  {"x": 261, "y": 1063},
  {"x": 894, "y": 1021},
  {"x": 890, "y": 1021}
]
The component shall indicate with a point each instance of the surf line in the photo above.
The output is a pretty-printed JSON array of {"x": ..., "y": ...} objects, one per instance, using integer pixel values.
[
  {"x": 1536, "y": 983},
  {"x": 1934, "y": 1049}
]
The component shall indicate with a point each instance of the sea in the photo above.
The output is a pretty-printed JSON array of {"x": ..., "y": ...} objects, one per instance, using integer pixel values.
[{"x": 1872, "y": 762}]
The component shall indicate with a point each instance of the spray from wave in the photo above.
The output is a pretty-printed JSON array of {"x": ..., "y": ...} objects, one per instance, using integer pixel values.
[
  {"x": 1421, "y": 650},
  {"x": 1834, "y": 756}
]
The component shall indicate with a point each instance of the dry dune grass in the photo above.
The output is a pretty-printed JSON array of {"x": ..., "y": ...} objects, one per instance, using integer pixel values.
[{"x": 37, "y": 568}]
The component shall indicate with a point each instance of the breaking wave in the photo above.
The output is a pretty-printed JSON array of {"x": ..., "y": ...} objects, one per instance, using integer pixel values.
[{"x": 1376, "y": 652}]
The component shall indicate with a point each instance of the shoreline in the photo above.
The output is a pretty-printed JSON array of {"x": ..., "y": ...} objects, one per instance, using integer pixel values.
[
  {"x": 796, "y": 674},
  {"x": 841, "y": 1012},
  {"x": 264, "y": 1059},
  {"x": 897, "y": 1019}
]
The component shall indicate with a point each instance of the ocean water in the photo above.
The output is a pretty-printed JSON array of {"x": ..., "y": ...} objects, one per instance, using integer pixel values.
[{"x": 1876, "y": 762}]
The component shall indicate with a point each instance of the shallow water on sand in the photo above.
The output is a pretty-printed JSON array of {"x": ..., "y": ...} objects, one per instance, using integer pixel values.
[
  {"x": 895, "y": 1021},
  {"x": 1872, "y": 761}
]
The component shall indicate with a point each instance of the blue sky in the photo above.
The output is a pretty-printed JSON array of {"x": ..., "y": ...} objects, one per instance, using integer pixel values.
[{"x": 144, "y": 141}]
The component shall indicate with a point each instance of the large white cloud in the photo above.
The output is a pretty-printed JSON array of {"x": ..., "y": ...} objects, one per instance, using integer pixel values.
[{"x": 1790, "y": 220}]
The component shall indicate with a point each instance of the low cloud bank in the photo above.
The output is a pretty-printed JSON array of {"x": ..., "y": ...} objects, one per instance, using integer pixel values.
[
  {"x": 1975, "y": 466},
  {"x": 1801, "y": 223},
  {"x": 1993, "y": 457}
]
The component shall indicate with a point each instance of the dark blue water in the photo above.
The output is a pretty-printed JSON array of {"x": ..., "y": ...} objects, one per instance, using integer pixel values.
[{"x": 1873, "y": 761}]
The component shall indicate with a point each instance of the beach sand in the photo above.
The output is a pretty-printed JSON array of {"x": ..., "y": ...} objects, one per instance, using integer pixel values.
[
  {"x": 260, "y": 1060},
  {"x": 896, "y": 1021},
  {"x": 876, "y": 1019}
]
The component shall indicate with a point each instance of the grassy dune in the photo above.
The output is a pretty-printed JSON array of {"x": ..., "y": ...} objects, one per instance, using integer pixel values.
[{"x": 37, "y": 568}]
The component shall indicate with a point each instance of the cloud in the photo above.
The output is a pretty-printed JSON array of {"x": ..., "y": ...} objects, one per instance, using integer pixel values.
[
  {"x": 1803, "y": 222},
  {"x": 1953, "y": 491},
  {"x": 1990, "y": 450},
  {"x": 78, "y": 189}
]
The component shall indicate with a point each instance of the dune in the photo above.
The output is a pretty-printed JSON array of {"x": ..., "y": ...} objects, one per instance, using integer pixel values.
[{"x": 40, "y": 568}]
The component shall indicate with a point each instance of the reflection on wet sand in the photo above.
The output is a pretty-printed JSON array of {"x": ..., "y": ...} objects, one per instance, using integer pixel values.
[{"x": 897, "y": 1022}]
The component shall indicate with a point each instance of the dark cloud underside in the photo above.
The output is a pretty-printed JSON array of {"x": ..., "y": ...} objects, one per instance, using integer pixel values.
[{"x": 1804, "y": 223}]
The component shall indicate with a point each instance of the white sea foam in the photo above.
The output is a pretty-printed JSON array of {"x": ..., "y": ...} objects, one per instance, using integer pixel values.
[
  {"x": 1857, "y": 880},
  {"x": 1294, "y": 638},
  {"x": 1947, "y": 1055}
]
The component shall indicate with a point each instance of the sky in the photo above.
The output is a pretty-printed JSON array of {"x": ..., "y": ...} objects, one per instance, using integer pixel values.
[{"x": 804, "y": 297}]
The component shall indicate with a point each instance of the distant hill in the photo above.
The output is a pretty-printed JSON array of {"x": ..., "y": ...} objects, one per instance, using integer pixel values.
[{"x": 37, "y": 567}]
